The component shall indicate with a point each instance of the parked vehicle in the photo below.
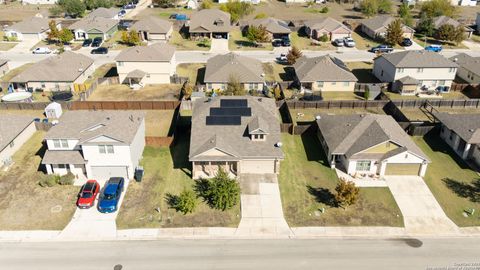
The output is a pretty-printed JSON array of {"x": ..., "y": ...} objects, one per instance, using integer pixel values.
[
  {"x": 286, "y": 42},
  {"x": 97, "y": 42},
  {"x": 434, "y": 48},
  {"x": 282, "y": 58},
  {"x": 87, "y": 43},
  {"x": 99, "y": 50},
  {"x": 382, "y": 49},
  {"x": 110, "y": 197},
  {"x": 349, "y": 42},
  {"x": 338, "y": 42},
  {"x": 129, "y": 6},
  {"x": 42, "y": 50},
  {"x": 406, "y": 42},
  {"x": 88, "y": 193},
  {"x": 181, "y": 17},
  {"x": 125, "y": 24},
  {"x": 122, "y": 13},
  {"x": 276, "y": 43}
]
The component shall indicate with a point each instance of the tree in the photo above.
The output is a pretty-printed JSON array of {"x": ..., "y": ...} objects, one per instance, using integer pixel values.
[
  {"x": 237, "y": 9},
  {"x": 293, "y": 54},
  {"x": 65, "y": 36},
  {"x": 459, "y": 34},
  {"x": 56, "y": 11},
  {"x": 446, "y": 32},
  {"x": 346, "y": 193},
  {"x": 257, "y": 33},
  {"x": 261, "y": 16},
  {"x": 434, "y": 8},
  {"x": 206, "y": 4},
  {"x": 369, "y": 7},
  {"x": 234, "y": 87},
  {"x": 53, "y": 33},
  {"x": 75, "y": 8},
  {"x": 394, "y": 34},
  {"x": 186, "y": 202},
  {"x": 425, "y": 25},
  {"x": 277, "y": 93},
  {"x": 223, "y": 191},
  {"x": 384, "y": 6},
  {"x": 187, "y": 90},
  {"x": 405, "y": 13},
  {"x": 94, "y": 4},
  {"x": 130, "y": 38}
]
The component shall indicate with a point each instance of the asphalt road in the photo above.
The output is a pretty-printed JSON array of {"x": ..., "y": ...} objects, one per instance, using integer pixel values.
[{"x": 242, "y": 254}]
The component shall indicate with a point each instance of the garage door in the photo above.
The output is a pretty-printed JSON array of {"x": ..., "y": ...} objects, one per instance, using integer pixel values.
[
  {"x": 402, "y": 169},
  {"x": 110, "y": 171},
  {"x": 257, "y": 166}
]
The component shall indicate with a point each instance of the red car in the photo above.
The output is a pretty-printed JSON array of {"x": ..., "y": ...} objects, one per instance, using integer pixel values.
[{"x": 88, "y": 193}]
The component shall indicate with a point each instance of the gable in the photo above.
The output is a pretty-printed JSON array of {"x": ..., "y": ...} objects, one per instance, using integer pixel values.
[
  {"x": 382, "y": 148},
  {"x": 102, "y": 139},
  {"x": 215, "y": 152},
  {"x": 405, "y": 157}
]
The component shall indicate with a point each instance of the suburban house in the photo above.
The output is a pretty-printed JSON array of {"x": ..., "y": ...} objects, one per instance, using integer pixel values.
[
  {"x": 443, "y": 20},
  {"x": 3, "y": 67},
  {"x": 471, "y": 3},
  {"x": 376, "y": 27},
  {"x": 15, "y": 130},
  {"x": 107, "y": 13},
  {"x": 33, "y": 28},
  {"x": 221, "y": 69},
  {"x": 209, "y": 23},
  {"x": 96, "y": 144},
  {"x": 276, "y": 29},
  {"x": 327, "y": 26},
  {"x": 55, "y": 73},
  {"x": 92, "y": 27},
  {"x": 462, "y": 133},
  {"x": 192, "y": 4},
  {"x": 468, "y": 67},
  {"x": 323, "y": 73},
  {"x": 153, "y": 29},
  {"x": 369, "y": 144},
  {"x": 238, "y": 134},
  {"x": 146, "y": 64},
  {"x": 412, "y": 72}
]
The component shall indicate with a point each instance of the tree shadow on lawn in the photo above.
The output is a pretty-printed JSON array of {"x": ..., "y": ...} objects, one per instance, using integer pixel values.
[
  {"x": 432, "y": 138},
  {"x": 322, "y": 195},
  {"x": 464, "y": 190},
  {"x": 313, "y": 148}
]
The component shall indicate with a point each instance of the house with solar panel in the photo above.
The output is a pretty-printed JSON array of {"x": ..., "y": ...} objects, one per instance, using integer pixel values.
[{"x": 241, "y": 135}]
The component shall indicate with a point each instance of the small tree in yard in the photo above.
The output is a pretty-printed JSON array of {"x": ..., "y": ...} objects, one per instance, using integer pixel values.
[
  {"x": 346, "y": 193},
  {"x": 186, "y": 202},
  {"x": 206, "y": 4},
  {"x": 446, "y": 32},
  {"x": 65, "y": 36},
  {"x": 277, "y": 93},
  {"x": 223, "y": 191},
  {"x": 53, "y": 33},
  {"x": 293, "y": 54},
  {"x": 394, "y": 33},
  {"x": 130, "y": 38},
  {"x": 369, "y": 7},
  {"x": 459, "y": 34},
  {"x": 234, "y": 87},
  {"x": 425, "y": 25},
  {"x": 405, "y": 13},
  {"x": 257, "y": 33},
  {"x": 187, "y": 91}
]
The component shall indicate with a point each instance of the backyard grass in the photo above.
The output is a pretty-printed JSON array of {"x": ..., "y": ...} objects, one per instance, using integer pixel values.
[
  {"x": 363, "y": 71},
  {"x": 449, "y": 95},
  {"x": 14, "y": 72},
  {"x": 15, "y": 11},
  {"x": 5, "y": 46},
  {"x": 363, "y": 42},
  {"x": 476, "y": 38},
  {"x": 167, "y": 171},
  {"x": 278, "y": 72},
  {"x": 182, "y": 43},
  {"x": 33, "y": 113},
  {"x": 340, "y": 95},
  {"x": 455, "y": 186},
  {"x": 307, "y": 185},
  {"x": 304, "y": 43},
  {"x": 306, "y": 115},
  {"x": 237, "y": 42},
  {"x": 158, "y": 122},
  {"x": 102, "y": 71},
  {"x": 121, "y": 92},
  {"x": 420, "y": 40},
  {"x": 24, "y": 205},
  {"x": 194, "y": 71}
]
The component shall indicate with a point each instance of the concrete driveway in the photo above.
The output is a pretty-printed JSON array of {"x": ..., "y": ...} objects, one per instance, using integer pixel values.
[
  {"x": 421, "y": 212},
  {"x": 262, "y": 213},
  {"x": 219, "y": 45}
]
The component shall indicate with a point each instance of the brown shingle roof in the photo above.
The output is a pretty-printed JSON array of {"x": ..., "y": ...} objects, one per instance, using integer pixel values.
[
  {"x": 421, "y": 59},
  {"x": 467, "y": 126},
  {"x": 11, "y": 126},
  {"x": 158, "y": 52},
  {"x": 221, "y": 68},
  {"x": 272, "y": 25},
  {"x": 31, "y": 25},
  {"x": 326, "y": 24},
  {"x": 379, "y": 24},
  {"x": 322, "y": 68},
  {"x": 209, "y": 20},
  {"x": 94, "y": 23}
]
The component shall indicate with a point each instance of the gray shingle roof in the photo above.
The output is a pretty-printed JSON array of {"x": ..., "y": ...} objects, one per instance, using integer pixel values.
[
  {"x": 158, "y": 52},
  {"x": 467, "y": 62},
  {"x": 62, "y": 157},
  {"x": 322, "y": 68},
  {"x": 86, "y": 125},
  {"x": 408, "y": 80},
  {"x": 153, "y": 25},
  {"x": 378, "y": 24},
  {"x": 326, "y": 24},
  {"x": 11, "y": 126},
  {"x": 136, "y": 74},
  {"x": 221, "y": 68},
  {"x": 102, "y": 12},
  {"x": 30, "y": 25},
  {"x": 65, "y": 67},
  {"x": 467, "y": 126},
  {"x": 442, "y": 20},
  {"x": 351, "y": 134},
  {"x": 88, "y": 24},
  {"x": 234, "y": 139},
  {"x": 421, "y": 59},
  {"x": 272, "y": 25},
  {"x": 209, "y": 20}
]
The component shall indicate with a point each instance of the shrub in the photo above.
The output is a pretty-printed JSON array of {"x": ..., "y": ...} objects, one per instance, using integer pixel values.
[
  {"x": 67, "y": 179},
  {"x": 48, "y": 180},
  {"x": 220, "y": 192},
  {"x": 324, "y": 10},
  {"x": 261, "y": 16},
  {"x": 324, "y": 38},
  {"x": 186, "y": 202},
  {"x": 347, "y": 193},
  {"x": 293, "y": 54},
  {"x": 206, "y": 4}
]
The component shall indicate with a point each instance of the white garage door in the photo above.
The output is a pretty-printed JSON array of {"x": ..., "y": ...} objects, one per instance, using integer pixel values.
[
  {"x": 102, "y": 173},
  {"x": 257, "y": 166}
]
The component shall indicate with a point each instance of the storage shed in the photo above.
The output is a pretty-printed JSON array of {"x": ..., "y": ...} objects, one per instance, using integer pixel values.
[{"x": 53, "y": 110}]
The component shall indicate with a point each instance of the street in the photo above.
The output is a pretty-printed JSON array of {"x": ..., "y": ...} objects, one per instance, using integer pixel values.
[{"x": 240, "y": 254}]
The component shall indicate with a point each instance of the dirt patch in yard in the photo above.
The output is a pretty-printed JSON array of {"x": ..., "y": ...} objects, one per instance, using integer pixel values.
[
  {"x": 158, "y": 123},
  {"x": 120, "y": 92}
]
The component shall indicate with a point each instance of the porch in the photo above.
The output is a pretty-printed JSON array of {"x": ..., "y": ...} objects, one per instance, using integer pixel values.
[{"x": 208, "y": 169}]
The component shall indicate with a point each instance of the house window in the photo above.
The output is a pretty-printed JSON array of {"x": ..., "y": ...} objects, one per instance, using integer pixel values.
[
  {"x": 110, "y": 149},
  {"x": 209, "y": 86},
  {"x": 105, "y": 149},
  {"x": 101, "y": 149},
  {"x": 260, "y": 136},
  {"x": 61, "y": 166},
  {"x": 319, "y": 84},
  {"x": 363, "y": 165},
  {"x": 346, "y": 83},
  {"x": 120, "y": 64},
  {"x": 442, "y": 82},
  {"x": 56, "y": 143},
  {"x": 420, "y": 70},
  {"x": 250, "y": 86},
  {"x": 400, "y": 70},
  {"x": 64, "y": 143},
  {"x": 42, "y": 84},
  {"x": 148, "y": 75},
  {"x": 451, "y": 70}
]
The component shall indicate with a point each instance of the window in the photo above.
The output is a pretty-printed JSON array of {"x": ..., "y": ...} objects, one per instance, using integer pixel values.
[
  {"x": 346, "y": 83},
  {"x": 110, "y": 149},
  {"x": 56, "y": 143},
  {"x": 363, "y": 165},
  {"x": 260, "y": 136},
  {"x": 442, "y": 82},
  {"x": 42, "y": 84},
  {"x": 64, "y": 143},
  {"x": 61, "y": 166},
  {"x": 400, "y": 70},
  {"x": 147, "y": 75},
  {"x": 120, "y": 64},
  {"x": 101, "y": 149},
  {"x": 106, "y": 149},
  {"x": 250, "y": 86},
  {"x": 420, "y": 70},
  {"x": 319, "y": 84},
  {"x": 451, "y": 70}
]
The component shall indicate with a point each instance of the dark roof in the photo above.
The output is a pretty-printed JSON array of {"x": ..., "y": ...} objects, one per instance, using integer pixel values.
[
  {"x": 209, "y": 20},
  {"x": 467, "y": 126}
]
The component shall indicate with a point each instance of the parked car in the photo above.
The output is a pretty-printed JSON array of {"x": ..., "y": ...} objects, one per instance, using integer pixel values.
[
  {"x": 276, "y": 43},
  {"x": 349, "y": 42},
  {"x": 87, "y": 42},
  {"x": 286, "y": 42},
  {"x": 108, "y": 201},
  {"x": 122, "y": 13},
  {"x": 382, "y": 49},
  {"x": 42, "y": 50},
  {"x": 434, "y": 48},
  {"x": 406, "y": 42},
  {"x": 282, "y": 58},
  {"x": 99, "y": 50},
  {"x": 97, "y": 42},
  {"x": 129, "y": 6},
  {"x": 88, "y": 193},
  {"x": 125, "y": 24},
  {"x": 338, "y": 42}
]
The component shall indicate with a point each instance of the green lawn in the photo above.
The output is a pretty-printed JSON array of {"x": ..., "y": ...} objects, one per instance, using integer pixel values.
[
  {"x": 362, "y": 42},
  {"x": 455, "y": 186},
  {"x": 165, "y": 174},
  {"x": 363, "y": 71},
  {"x": 340, "y": 95},
  {"x": 307, "y": 185},
  {"x": 306, "y": 115},
  {"x": 14, "y": 72},
  {"x": 182, "y": 43},
  {"x": 237, "y": 42},
  {"x": 305, "y": 43},
  {"x": 5, "y": 46}
]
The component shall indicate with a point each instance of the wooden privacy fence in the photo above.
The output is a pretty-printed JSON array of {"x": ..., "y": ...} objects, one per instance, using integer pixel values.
[
  {"x": 124, "y": 105},
  {"x": 158, "y": 141},
  {"x": 327, "y": 104}
]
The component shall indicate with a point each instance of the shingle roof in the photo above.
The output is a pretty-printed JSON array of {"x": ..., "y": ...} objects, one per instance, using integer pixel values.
[
  {"x": 102, "y": 12},
  {"x": 136, "y": 74},
  {"x": 408, "y": 80},
  {"x": 209, "y": 20},
  {"x": 257, "y": 125},
  {"x": 272, "y": 25},
  {"x": 11, "y": 126},
  {"x": 467, "y": 62},
  {"x": 158, "y": 52},
  {"x": 221, "y": 68},
  {"x": 322, "y": 68},
  {"x": 442, "y": 20},
  {"x": 413, "y": 59},
  {"x": 62, "y": 157},
  {"x": 379, "y": 24},
  {"x": 326, "y": 24},
  {"x": 91, "y": 23},
  {"x": 86, "y": 125},
  {"x": 351, "y": 134},
  {"x": 65, "y": 67},
  {"x": 30, "y": 25},
  {"x": 153, "y": 25},
  {"x": 234, "y": 140},
  {"x": 467, "y": 126}
]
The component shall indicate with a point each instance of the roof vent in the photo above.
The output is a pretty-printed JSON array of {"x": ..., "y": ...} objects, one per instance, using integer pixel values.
[
  {"x": 278, "y": 144},
  {"x": 131, "y": 118},
  {"x": 259, "y": 99},
  {"x": 455, "y": 59},
  {"x": 348, "y": 124},
  {"x": 362, "y": 115}
]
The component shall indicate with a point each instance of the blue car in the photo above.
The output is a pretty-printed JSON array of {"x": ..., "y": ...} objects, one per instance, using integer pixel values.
[
  {"x": 108, "y": 202},
  {"x": 433, "y": 48}
]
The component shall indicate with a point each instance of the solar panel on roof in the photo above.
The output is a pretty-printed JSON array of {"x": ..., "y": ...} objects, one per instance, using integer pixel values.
[
  {"x": 242, "y": 111},
  {"x": 233, "y": 103},
  {"x": 223, "y": 120}
]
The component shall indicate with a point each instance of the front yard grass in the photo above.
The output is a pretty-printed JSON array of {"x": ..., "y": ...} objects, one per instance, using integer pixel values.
[
  {"x": 167, "y": 171},
  {"x": 307, "y": 185},
  {"x": 5, "y": 46},
  {"x": 195, "y": 72},
  {"x": 237, "y": 42},
  {"x": 158, "y": 122},
  {"x": 185, "y": 44},
  {"x": 278, "y": 72},
  {"x": 305, "y": 43},
  {"x": 121, "y": 92},
  {"x": 455, "y": 186},
  {"x": 104, "y": 70},
  {"x": 420, "y": 40},
  {"x": 362, "y": 41},
  {"x": 24, "y": 205},
  {"x": 363, "y": 71}
]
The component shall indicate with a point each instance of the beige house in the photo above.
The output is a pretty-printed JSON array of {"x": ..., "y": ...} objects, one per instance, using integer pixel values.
[
  {"x": 93, "y": 27},
  {"x": 55, "y": 73},
  {"x": 324, "y": 73},
  {"x": 15, "y": 130},
  {"x": 221, "y": 69},
  {"x": 238, "y": 134},
  {"x": 3, "y": 67},
  {"x": 443, "y": 20},
  {"x": 33, "y": 28},
  {"x": 142, "y": 65},
  {"x": 276, "y": 29},
  {"x": 332, "y": 28},
  {"x": 412, "y": 72},
  {"x": 153, "y": 29},
  {"x": 376, "y": 27},
  {"x": 209, "y": 23},
  {"x": 369, "y": 144},
  {"x": 468, "y": 67}
]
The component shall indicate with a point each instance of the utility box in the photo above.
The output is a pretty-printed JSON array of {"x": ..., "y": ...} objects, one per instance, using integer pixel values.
[
  {"x": 139, "y": 173},
  {"x": 53, "y": 110}
]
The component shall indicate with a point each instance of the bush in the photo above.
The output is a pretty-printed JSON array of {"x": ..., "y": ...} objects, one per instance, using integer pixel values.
[
  {"x": 324, "y": 10},
  {"x": 220, "y": 192},
  {"x": 48, "y": 180},
  {"x": 237, "y": 9},
  {"x": 324, "y": 38},
  {"x": 186, "y": 202},
  {"x": 261, "y": 16},
  {"x": 346, "y": 193},
  {"x": 66, "y": 180},
  {"x": 206, "y": 4}
]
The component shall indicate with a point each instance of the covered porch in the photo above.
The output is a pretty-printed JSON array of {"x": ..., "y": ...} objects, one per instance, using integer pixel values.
[
  {"x": 64, "y": 162},
  {"x": 134, "y": 79},
  {"x": 208, "y": 169}
]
